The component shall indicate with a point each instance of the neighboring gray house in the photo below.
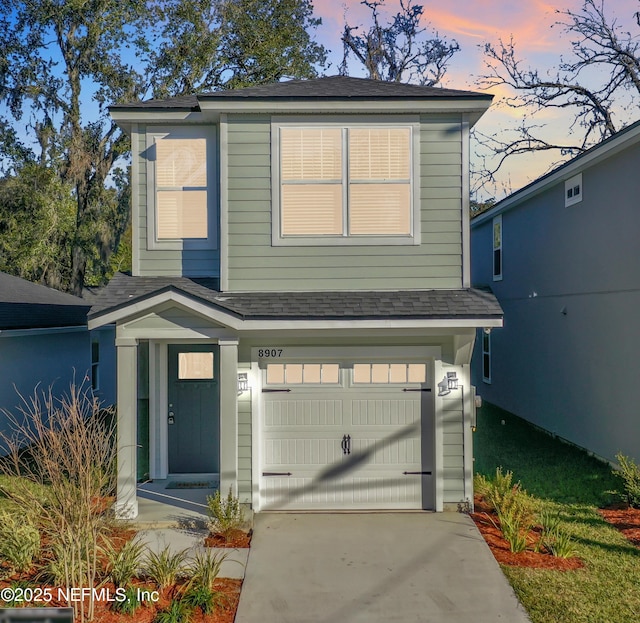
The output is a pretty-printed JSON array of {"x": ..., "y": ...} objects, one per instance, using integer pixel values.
[
  {"x": 44, "y": 342},
  {"x": 299, "y": 320},
  {"x": 563, "y": 258}
]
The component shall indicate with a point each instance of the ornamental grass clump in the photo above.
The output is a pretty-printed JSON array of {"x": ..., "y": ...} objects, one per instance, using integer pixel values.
[
  {"x": 629, "y": 474},
  {"x": 166, "y": 567},
  {"x": 19, "y": 540}
]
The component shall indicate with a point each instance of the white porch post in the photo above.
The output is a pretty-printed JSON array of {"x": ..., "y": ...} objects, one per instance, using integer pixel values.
[
  {"x": 126, "y": 503},
  {"x": 228, "y": 415}
]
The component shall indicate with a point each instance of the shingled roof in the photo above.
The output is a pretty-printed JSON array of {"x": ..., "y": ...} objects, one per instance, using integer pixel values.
[
  {"x": 331, "y": 88},
  {"x": 26, "y": 305},
  {"x": 124, "y": 290}
]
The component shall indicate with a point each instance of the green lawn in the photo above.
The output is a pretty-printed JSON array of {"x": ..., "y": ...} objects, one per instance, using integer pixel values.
[{"x": 574, "y": 484}]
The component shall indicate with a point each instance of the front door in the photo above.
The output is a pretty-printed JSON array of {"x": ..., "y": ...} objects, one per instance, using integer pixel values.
[{"x": 193, "y": 413}]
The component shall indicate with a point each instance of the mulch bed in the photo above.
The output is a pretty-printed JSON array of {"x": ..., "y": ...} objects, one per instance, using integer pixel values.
[
  {"x": 237, "y": 539},
  {"x": 625, "y": 519},
  {"x": 500, "y": 548}
]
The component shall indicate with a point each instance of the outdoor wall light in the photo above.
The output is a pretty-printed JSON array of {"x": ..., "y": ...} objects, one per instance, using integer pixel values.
[
  {"x": 487, "y": 330},
  {"x": 243, "y": 382}
]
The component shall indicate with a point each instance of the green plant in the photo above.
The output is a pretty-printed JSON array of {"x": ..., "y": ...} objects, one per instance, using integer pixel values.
[
  {"x": 123, "y": 563},
  {"x": 205, "y": 568},
  {"x": 19, "y": 540},
  {"x": 226, "y": 514},
  {"x": 166, "y": 567},
  {"x": 629, "y": 473},
  {"x": 559, "y": 543},
  {"x": 17, "y": 589},
  {"x": 178, "y": 612},
  {"x": 549, "y": 521},
  {"x": 129, "y": 605},
  {"x": 204, "y": 598}
]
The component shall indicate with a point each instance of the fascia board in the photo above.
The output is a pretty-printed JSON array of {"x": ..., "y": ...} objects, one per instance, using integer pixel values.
[
  {"x": 232, "y": 322},
  {"x": 564, "y": 172},
  {"x": 41, "y": 331}
]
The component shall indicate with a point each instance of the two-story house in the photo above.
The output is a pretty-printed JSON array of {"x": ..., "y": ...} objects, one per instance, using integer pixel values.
[
  {"x": 299, "y": 319},
  {"x": 563, "y": 258}
]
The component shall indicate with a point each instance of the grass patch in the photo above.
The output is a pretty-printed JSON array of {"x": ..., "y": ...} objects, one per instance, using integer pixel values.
[
  {"x": 547, "y": 467},
  {"x": 572, "y": 485}
]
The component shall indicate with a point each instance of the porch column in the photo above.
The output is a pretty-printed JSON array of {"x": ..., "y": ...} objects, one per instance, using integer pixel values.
[
  {"x": 228, "y": 415},
  {"x": 126, "y": 503}
]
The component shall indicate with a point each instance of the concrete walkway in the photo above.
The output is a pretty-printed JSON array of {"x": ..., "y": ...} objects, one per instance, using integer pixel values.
[{"x": 373, "y": 568}]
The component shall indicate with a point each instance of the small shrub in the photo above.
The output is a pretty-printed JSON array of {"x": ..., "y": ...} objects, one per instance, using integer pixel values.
[
  {"x": 123, "y": 563},
  {"x": 550, "y": 522},
  {"x": 205, "y": 568},
  {"x": 629, "y": 473},
  {"x": 178, "y": 612},
  {"x": 226, "y": 514},
  {"x": 204, "y": 598},
  {"x": 166, "y": 567},
  {"x": 19, "y": 540},
  {"x": 129, "y": 605},
  {"x": 481, "y": 484},
  {"x": 516, "y": 517}
]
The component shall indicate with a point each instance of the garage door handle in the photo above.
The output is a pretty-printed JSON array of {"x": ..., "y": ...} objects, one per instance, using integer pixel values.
[
  {"x": 416, "y": 389},
  {"x": 277, "y": 474},
  {"x": 346, "y": 444},
  {"x": 273, "y": 391},
  {"x": 417, "y": 473}
]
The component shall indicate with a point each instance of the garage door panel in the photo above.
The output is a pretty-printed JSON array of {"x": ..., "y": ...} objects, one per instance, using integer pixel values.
[
  {"x": 294, "y": 451},
  {"x": 307, "y": 412},
  {"x": 381, "y": 412}
]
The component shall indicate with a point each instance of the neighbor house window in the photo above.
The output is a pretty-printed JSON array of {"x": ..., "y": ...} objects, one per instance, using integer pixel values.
[
  {"x": 497, "y": 248},
  {"x": 95, "y": 364},
  {"x": 573, "y": 190},
  {"x": 340, "y": 184},
  {"x": 486, "y": 357},
  {"x": 180, "y": 175}
]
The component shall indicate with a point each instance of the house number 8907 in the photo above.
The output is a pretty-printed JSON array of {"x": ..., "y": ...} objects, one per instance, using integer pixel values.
[{"x": 270, "y": 352}]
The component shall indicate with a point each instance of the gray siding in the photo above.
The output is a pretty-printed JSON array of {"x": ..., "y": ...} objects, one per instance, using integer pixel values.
[
  {"x": 571, "y": 373},
  {"x": 160, "y": 262},
  {"x": 254, "y": 264}
]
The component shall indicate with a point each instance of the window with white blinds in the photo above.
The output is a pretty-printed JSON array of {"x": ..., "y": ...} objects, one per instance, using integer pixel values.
[
  {"x": 181, "y": 188},
  {"x": 346, "y": 181}
]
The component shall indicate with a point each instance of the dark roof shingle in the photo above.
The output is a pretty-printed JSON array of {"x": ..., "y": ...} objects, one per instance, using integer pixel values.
[{"x": 124, "y": 290}]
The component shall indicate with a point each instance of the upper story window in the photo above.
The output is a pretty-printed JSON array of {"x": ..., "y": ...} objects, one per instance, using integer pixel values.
[
  {"x": 497, "y": 248},
  {"x": 486, "y": 356},
  {"x": 573, "y": 190},
  {"x": 180, "y": 194},
  {"x": 345, "y": 184}
]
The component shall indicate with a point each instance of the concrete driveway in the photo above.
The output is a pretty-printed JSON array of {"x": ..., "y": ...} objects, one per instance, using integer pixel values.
[{"x": 374, "y": 567}]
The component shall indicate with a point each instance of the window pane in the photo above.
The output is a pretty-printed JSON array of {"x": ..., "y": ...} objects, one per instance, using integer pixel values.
[
  {"x": 361, "y": 373},
  {"x": 398, "y": 373},
  {"x": 294, "y": 373},
  {"x": 195, "y": 366},
  {"x": 380, "y": 209},
  {"x": 310, "y": 154},
  {"x": 275, "y": 374},
  {"x": 379, "y": 153},
  {"x": 181, "y": 162},
  {"x": 311, "y": 209},
  {"x": 182, "y": 214},
  {"x": 380, "y": 373},
  {"x": 417, "y": 373},
  {"x": 311, "y": 373},
  {"x": 330, "y": 373}
]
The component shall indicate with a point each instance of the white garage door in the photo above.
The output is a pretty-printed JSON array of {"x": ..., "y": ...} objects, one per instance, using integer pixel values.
[{"x": 338, "y": 438}]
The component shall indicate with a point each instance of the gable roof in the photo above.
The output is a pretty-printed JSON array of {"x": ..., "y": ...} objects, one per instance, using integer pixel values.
[
  {"x": 125, "y": 291},
  {"x": 624, "y": 139},
  {"x": 26, "y": 305}
]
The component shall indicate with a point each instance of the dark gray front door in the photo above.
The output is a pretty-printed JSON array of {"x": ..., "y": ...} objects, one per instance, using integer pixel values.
[{"x": 194, "y": 412}]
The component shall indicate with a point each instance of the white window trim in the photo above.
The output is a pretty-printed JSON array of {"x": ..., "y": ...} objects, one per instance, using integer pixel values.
[
  {"x": 211, "y": 241},
  {"x": 497, "y": 276},
  {"x": 571, "y": 183},
  {"x": 345, "y": 122},
  {"x": 487, "y": 378}
]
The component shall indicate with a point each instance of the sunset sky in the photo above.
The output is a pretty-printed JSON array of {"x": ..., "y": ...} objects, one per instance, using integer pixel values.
[{"x": 472, "y": 23}]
